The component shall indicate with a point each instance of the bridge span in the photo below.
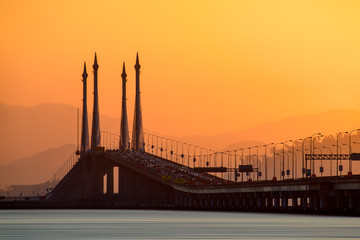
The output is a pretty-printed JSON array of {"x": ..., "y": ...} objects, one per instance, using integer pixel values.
[
  {"x": 148, "y": 181},
  {"x": 116, "y": 171}
]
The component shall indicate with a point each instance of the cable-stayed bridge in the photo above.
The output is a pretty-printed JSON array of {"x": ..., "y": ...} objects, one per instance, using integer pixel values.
[{"x": 115, "y": 170}]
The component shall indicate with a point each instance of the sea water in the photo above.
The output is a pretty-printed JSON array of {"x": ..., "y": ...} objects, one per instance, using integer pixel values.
[{"x": 155, "y": 224}]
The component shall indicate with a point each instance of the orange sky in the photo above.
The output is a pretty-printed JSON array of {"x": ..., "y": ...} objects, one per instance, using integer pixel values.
[{"x": 207, "y": 66}]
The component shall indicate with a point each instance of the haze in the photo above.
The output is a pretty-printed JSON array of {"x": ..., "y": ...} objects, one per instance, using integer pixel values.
[{"x": 208, "y": 67}]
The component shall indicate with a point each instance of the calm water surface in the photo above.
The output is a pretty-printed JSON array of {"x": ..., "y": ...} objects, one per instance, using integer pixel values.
[{"x": 147, "y": 224}]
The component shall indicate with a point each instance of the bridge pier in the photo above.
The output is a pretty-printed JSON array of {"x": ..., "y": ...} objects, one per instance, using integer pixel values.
[
  {"x": 276, "y": 200},
  {"x": 294, "y": 203},
  {"x": 110, "y": 181}
]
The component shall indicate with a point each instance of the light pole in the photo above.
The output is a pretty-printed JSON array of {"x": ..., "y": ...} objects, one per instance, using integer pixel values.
[
  {"x": 304, "y": 162},
  {"x": 228, "y": 153},
  {"x": 266, "y": 170},
  {"x": 166, "y": 149},
  {"x": 330, "y": 152},
  {"x": 189, "y": 154},
  {"x": 242, "y": 163},
  {"x": 350, "y": 161},
  {"x": 222, "y": 163},
  {"x": 235, "y": 168},
  {"x": 207, "y": 157},
  {"x": 194, "y": 158},
  {"x": 177, "y": 151},
  {"x": 148, "y": 142},
  {"x": 213, "y": 154},
  {"x": 321, "y": 167},
  {"x": 313, "y": 147},
  {"x": 287, "y": 172},
  {"x": 250, "y": 158},
  {"x": 257, "y": 160},
  {"x": 182, "y": 153},
  {"x": 283, "y": 163},
  {"x": 171, "y": 150},
  {"x": 312, "y": 151},
  {"x": 337, "y": 153},
  {"x": 293, "y": 157},
  {"x": 274, "y": 178}
]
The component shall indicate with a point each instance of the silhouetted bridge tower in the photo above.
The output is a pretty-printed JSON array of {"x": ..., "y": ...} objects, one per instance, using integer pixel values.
[{"x": 132, "y": 175}]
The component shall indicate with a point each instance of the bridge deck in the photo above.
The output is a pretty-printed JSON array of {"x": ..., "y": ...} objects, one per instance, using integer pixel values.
[{"x": 169, "y": 171}]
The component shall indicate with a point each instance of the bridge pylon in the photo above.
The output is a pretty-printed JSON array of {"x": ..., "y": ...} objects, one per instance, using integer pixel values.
[
  {"x": 95, "y": 133},
  {"x": 85, "y": 128},
  {"x": 124, "y": 142},
  {"x": 138, "y": 134}
]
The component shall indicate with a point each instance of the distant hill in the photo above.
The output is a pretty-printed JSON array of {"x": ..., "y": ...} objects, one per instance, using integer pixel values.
[
  {"x": 29, "y": 130},
  {"x": 295, "y": 127},
  {"x": 37, "y": 168},
  {"x": 243, "y": 144}
]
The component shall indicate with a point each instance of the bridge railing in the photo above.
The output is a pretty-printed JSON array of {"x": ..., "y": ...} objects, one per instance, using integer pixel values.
[{"x": 274, "y": 161}]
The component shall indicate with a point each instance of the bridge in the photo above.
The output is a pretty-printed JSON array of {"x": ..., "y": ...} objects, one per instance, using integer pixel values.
[{"x": 149, "y": 171}]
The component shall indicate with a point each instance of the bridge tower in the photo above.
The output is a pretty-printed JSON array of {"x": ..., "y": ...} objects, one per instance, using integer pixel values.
[
  {"x": 95, "y": 133},
  {"x": 124, "y": 143},
  {"x": 84, "y": 128},
  {"x": 137, "y": 135}
]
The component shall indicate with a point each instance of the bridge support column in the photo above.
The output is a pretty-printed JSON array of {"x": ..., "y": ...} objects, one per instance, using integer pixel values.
[
  {"x": 304, "y": 202},
  {"x": 284, "y": 202},
  {"x": 294, "y": 203},
  {"x": 260, "y": 203},
  {"x": 311, "y": 202},
  {"x": 276, "y": 202},
  {"x": 351, "y": 202},
  {"x": 268, "y": 202},
  {"x": 110, "y": 181},
  {"x": 322, "y": 203}
]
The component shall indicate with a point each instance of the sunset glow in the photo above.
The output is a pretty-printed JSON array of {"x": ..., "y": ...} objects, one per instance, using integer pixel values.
[{"x": 208, "y": 67}]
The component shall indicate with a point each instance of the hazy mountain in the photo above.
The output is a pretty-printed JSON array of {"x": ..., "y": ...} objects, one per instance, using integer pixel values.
[
  {"x": 295, "y": 127},
  {"x": 29, "y": 130},
  {"x": 37, "y": 168},
  {"x": 242, "y": 144}
]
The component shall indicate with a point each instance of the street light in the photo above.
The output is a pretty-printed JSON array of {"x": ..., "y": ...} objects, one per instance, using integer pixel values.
[
  {"x": 304, "y": 164},
  {"x": 313, "y": 147},
  {"x": 312, "y": 151},
  {"x": 337, "y": 153},
  {"x": 242, "y": 162},
  {"x": 207, "y": 157},
  {"x": 330, "y": 152},
  {"x": 321, "y": 167},
  {"x": 194, "y": 157},
  {"x": 350, "y": 161},
  {"x": 283, "y": 164},
  {"x": 257, "y": 160},
  {"x": 235, "y": 166},
  {"x": 294, "y": 174},
  {"x": 250, "y": 156},
  {"x": 229, "y": 155},
  {"x": 266, "y": 171},
  {"x": 274, "y": 178}
]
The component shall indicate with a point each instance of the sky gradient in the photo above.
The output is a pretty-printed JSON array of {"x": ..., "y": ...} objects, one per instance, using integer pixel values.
[{"x": 207, "y": 67}]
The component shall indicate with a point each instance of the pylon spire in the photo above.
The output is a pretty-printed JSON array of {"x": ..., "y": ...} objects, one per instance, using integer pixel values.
[
  {"x": 124, "y": 126},
  {"x": 95, "y": 133},
  {"x": 137, "y": 135},
  {"x": 96, "y": 65},
  {"x": 84, "y": 126}
]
